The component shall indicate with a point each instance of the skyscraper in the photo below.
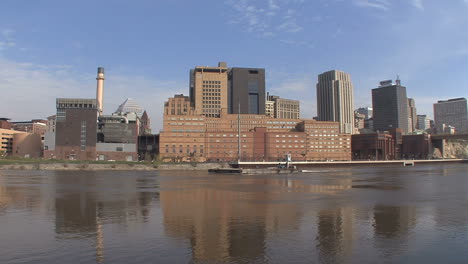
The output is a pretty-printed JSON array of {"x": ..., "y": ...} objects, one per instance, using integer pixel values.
[
  {"x": 412, "y": 115},
  {"x": 335, "y": 100},
  {"x": 452, "y": 112},
  {"x": 390, "y": 106},
  {"x": 209, "y": 89},
  {"x": 247, "y": 87}
]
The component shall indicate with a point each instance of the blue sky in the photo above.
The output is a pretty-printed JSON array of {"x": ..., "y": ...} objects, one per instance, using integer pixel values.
[{"x": 51, "y": 49}]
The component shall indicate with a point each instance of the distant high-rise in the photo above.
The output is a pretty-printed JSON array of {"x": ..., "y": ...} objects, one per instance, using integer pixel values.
[
  {"x": 283, "y": 108},
  {"x": 424, "y": 123},
  {"x": 390, "y": 105},
  {"x": 366, "y": 111},
  {"x": 246, "y": 86},
  {"x": 452, "y": 112},
  {"x": 209, "y": 89},
  {"x": 335, "y": 100},
  {"x": 412, "y": 115}
]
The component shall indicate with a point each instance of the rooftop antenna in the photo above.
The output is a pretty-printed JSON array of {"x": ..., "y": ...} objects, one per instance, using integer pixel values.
[{"x": 398, "y": 82}]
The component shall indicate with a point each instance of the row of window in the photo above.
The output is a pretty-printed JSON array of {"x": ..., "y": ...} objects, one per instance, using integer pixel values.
[
  {"x": 212, "y": 82},
  {"x": 186, "y": 124},
  {"x": 210, "y": 97},
  {"x": 76, "y": 106},
  {"x": 188, "y": 130},
  {"x": 289, "y": 146},
  {"x": 181, "y": 151},
  {"x": 282, "y": 122},
  {"x": 225, "y": 135},
  {"x": 186, "y": 118},
  {"x": 211, "y": 90},
  {"x": 181, "y": 146},
  {"x": 212, "y": 104}
]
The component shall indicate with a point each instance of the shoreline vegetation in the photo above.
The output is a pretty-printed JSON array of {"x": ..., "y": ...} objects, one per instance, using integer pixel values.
[{"x": 14, "y": 163}]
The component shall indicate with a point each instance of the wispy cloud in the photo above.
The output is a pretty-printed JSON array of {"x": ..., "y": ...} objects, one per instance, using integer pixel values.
[
  {"x": 298, "y": 43},
  {"x": 383, "y": 5},
  {"x": 266, "y": 18},
  {"x": 419, "y": 4},
  {"x": 6, "y": 39}
]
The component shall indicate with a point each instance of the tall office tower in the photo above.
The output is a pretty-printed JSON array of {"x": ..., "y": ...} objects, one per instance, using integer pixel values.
[
  {"x": 100, "y": 89},
  {"x": 246, "y": 89},
  {"x": 335, "y": 100},
  {"x": 424, "y": 123},
  {"x": 412, "y": 115},
  {"x": 283, "y": 108},
  {"x": 452, "y": 112},
  {"x": 209, "y": 89},
  {"x": 390, "y": 106}
]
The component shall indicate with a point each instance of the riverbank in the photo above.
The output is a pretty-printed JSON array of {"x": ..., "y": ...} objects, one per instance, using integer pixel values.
[
  {"x": 37, "y": 164},
  {"x": 366, "y": 163},
  {"x": 29, "y": 164}
]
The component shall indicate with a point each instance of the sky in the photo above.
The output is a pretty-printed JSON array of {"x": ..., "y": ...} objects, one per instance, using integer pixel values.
[{"x": 51, "y": 49}]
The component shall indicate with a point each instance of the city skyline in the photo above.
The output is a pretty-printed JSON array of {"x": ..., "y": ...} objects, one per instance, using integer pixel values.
[{"x": 46, "y": 57}]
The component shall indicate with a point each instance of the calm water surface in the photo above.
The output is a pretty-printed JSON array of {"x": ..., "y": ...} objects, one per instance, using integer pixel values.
[{"x": 356, "y": 215}]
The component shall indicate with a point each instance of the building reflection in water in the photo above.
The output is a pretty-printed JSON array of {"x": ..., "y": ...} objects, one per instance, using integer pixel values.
[
  {"x": 393, "y": 223},
  {"x": 335, "y": 234},
  {"x": 84, "y": 201},
  {"x": 230, "y": 220}
]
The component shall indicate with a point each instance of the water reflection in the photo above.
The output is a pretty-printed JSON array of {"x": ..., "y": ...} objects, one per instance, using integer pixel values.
[
  {"x": 86, "y": 200},
  {"x": 224, "y": 223},
  {"x": 138, "y": 217}
]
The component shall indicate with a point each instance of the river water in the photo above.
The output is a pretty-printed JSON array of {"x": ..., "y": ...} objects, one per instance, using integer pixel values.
[{"x": 354, "y": 215}]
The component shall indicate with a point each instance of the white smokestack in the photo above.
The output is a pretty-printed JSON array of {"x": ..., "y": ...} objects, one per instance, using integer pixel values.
[{"x": 100, "y": 88}]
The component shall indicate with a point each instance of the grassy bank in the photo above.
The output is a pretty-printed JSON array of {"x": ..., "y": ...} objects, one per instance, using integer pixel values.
[
  {"x": 13, "y": 163},
  {"x": 19, "y": 161}
]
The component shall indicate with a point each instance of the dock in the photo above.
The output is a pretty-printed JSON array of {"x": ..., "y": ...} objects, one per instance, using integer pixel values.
[{"x": 309, "y": 164}]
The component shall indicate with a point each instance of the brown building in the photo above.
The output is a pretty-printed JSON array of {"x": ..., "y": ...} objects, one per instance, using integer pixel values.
[
  {"x": 196, "y": 137},
  {"x": 178, "y": 105},
  {"x": 20, "y": 144},
  {"x": 4, "y": 123},
  {"x": 35, "y": 126},
  {"x": 148, "y": 147},
  {"x": 76, "y": 129},
  {"x": 209, "y": 89},
  {"x": 373, "y": 146},
  {"x": 417, "y": 146}
]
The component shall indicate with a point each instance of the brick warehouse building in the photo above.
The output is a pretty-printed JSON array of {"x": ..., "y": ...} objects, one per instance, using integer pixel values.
[{"x": 189, "y": 136}]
